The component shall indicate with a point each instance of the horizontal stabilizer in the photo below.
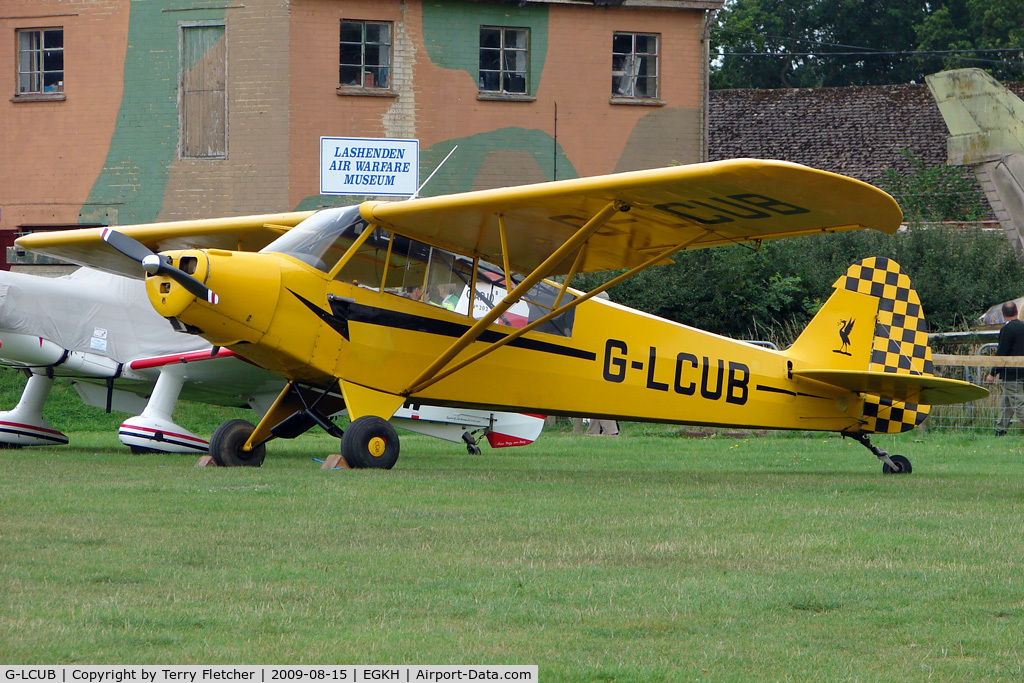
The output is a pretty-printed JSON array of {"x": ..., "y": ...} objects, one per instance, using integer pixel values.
[{"x": 927, "y": 390}]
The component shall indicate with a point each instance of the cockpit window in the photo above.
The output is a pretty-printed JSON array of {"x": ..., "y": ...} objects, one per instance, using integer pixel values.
[
  {"x": 430, "y": 275},
  {"x": 492, "y": 288},
  {"x": 440, "y": 278},
  {"x": 321, "y": 239}
]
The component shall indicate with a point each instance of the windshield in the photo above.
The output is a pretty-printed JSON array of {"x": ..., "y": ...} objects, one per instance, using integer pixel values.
[{"x": 321, "y": 239}]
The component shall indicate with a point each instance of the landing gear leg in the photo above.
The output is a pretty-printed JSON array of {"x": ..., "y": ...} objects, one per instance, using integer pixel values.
[
  {"x": 25, "y": 424},
  {"x": 471, "y": 447},
  {"x": 154, "y": 431},
  {"x": 891, "y": 464}
]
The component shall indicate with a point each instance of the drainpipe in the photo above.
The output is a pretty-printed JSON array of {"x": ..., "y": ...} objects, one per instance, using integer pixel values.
[{"x": 705, "y": 94}]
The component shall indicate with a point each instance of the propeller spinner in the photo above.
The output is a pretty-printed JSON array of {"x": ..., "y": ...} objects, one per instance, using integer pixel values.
[{"x": 155, "y": 264}]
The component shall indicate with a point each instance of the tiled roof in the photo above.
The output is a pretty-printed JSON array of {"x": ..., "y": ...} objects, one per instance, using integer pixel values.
[{"x": 857, "y": 131}]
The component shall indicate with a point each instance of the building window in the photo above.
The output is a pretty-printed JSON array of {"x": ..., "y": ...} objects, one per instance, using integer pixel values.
[
  {"x": 635, "y": 65},
  {"x": 365, "y": 54},
  {"x": 41, "y": 61},
  {"x": 203, "y": 123},
  {"x": 504, "y": 57}
]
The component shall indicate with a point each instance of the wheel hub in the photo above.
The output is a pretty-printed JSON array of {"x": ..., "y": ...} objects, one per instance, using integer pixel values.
[{"x": 376, "y": 446}]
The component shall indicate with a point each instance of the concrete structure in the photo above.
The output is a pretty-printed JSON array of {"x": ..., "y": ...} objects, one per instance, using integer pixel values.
[
  {"x": 986, "y": 132},
  {"x": 131, "y": 112}
]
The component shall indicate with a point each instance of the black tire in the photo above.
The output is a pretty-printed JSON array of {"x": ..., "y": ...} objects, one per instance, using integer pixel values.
[
  {"x": 227, "y": 441},
  {"x": 901, "y": 462},
  {"x": 370, "y": 442}
]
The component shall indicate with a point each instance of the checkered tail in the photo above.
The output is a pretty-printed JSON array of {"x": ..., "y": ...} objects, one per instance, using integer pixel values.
[{"x": 900, "y": 342}]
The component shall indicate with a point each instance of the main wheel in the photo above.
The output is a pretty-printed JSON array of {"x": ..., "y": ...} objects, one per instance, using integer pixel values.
[
  {"x": 370, "y": 441},
  {"x": 227, "y": 441},
  {"x": 901, "y": 462}
]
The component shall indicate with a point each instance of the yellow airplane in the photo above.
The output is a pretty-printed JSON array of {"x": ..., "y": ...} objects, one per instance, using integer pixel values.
[{"x": 450, "y": 301}]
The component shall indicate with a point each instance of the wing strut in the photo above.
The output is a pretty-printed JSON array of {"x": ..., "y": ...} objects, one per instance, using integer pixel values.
[
  {"x": 538, "y": 274},
  {"x": 556, "y": 311},
  {"x": 504, "y": 247}
]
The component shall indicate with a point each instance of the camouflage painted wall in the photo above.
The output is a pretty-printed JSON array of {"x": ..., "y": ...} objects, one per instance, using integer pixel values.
[
  {"x": 52, "y": 150},
  {"x": 502, "y": 142},
  {"x": 109, "y": 153}
]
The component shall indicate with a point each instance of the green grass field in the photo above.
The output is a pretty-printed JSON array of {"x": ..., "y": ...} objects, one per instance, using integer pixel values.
[{"x": 646, "y": 557}]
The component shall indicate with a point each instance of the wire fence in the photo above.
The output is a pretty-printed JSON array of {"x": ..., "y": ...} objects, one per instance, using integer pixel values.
[{"x": 976, "y": 416}]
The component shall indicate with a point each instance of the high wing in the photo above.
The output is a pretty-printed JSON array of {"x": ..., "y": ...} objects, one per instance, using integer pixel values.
[
  {"x": 700, "y": 205},
  {"x": 86, "y": 247},
  {"x": 658, "y": 211}
]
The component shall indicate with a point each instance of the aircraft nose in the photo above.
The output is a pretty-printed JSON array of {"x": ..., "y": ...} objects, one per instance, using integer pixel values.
[
  {"x": 247, "y": 286},
  {"x": 170, "y": 295}
]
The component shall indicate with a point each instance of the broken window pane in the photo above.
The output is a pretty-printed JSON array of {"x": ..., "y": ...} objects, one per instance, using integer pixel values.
[{"x": 635, "y": 65}]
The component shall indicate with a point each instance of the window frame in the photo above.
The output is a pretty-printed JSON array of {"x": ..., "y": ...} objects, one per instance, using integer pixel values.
[
  {"x": 39, "y": 74},
  {"x": 365, "y": 69},
  {"x": 631, "y": 97},
  {"x": 503, "y": 92}
]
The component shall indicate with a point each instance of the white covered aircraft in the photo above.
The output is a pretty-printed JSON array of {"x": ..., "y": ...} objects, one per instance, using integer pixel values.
[{"x": 100, "y": 332}]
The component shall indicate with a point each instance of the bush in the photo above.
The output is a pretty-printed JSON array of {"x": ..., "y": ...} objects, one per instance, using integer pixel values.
[
  {"x": 773, "y": 292},
  {"x": 934, "y": 193}
]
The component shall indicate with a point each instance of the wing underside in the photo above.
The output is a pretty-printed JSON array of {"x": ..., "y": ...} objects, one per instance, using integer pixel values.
[{"x": 85, "y": 247}]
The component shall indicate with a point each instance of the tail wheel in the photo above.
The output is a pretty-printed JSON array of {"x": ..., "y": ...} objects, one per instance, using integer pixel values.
[
  {"x": 370, "y": 441},
  {"x": 901, "y": 462},
  {"x": 227, "y": 441}
]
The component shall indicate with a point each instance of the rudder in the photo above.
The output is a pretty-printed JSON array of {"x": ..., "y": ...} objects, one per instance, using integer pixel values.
[{"x": 875, "y": 322}]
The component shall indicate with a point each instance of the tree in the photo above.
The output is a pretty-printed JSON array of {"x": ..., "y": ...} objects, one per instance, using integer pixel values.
[
  {"x": 976, "y": 25},
  {"x": 772, "y": 293},
  {"x": 884, "y": 28},
  {"x": 815, "y": 43},
  {"x": 758, "y": 39}
]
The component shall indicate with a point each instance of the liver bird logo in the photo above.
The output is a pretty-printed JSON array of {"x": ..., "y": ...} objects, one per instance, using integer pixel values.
[{"x": 845, "y": 328}]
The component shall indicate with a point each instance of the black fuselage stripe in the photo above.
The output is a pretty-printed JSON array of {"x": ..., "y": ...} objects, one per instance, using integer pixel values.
[
  {"x": 348, "y": 311},
  {"x": 168, "y": 440},
  {"x": 777, "y": 390},
  {"x": 406, "y": 321},
  {"x": 37, "y": 435}
]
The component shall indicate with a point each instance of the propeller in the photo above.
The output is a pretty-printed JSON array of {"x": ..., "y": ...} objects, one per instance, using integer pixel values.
[{"x": 155, "y": 264}]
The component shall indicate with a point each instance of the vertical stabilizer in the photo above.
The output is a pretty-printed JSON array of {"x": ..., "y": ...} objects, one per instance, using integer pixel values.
[
  {"x": 986, "y": 126},
  {"x": 872, "y": 324}
]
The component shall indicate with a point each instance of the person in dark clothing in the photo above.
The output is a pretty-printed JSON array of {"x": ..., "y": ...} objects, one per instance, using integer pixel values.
[{"x": 1011, "y": 343}]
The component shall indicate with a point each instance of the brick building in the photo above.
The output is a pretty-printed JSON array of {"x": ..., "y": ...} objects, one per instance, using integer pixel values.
[{"x": 131, "y": 112}]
